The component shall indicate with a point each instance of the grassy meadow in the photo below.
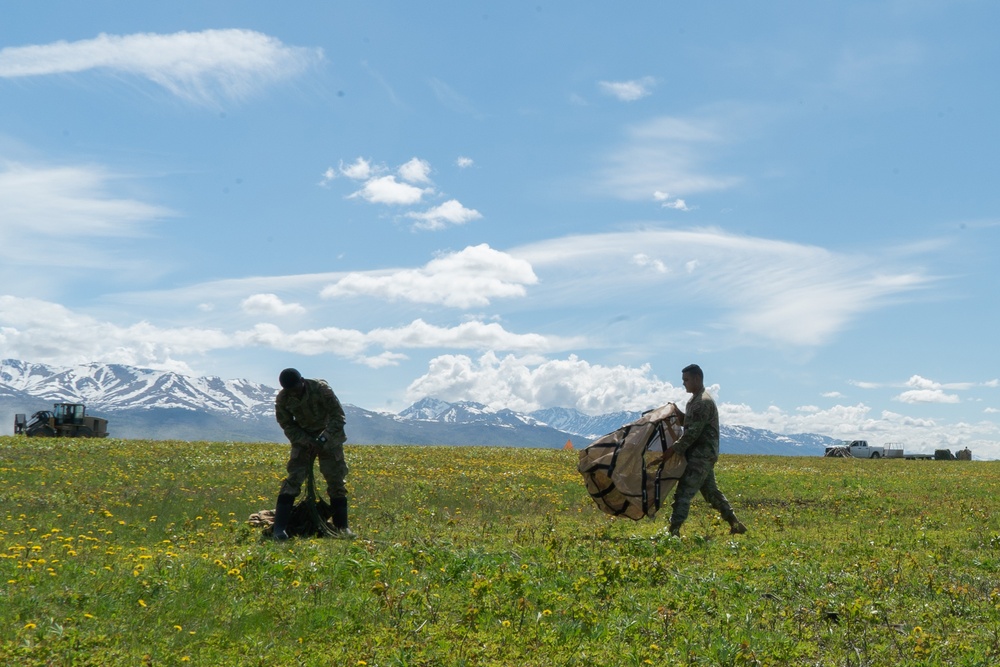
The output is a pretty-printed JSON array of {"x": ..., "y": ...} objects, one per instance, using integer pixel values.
[{"x": 136, "y": 552}]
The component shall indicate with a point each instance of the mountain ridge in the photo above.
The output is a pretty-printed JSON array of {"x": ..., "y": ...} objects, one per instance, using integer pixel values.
[{"x": 144, "y": 403}]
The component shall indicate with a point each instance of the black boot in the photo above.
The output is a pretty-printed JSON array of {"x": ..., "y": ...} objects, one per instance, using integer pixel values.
[
  {"x": 339, "y": 508},
  {"x": 282, "y": 512}
]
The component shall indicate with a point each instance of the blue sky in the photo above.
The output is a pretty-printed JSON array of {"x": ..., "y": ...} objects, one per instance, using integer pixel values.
[{"x": 522, "y": 204}]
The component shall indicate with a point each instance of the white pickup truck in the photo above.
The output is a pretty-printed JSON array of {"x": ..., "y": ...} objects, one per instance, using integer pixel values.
[{"x": 860, "y": 449}]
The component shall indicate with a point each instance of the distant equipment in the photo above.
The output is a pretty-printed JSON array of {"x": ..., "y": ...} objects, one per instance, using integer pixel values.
[
  {"x": 862, "y": 450},
  {"x": 65, "y": 420}
]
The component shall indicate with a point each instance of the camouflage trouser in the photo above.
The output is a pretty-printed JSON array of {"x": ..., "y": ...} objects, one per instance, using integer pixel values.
[
  {"x": 699, "y": 475},
  {"x": 331, "y": 464}
]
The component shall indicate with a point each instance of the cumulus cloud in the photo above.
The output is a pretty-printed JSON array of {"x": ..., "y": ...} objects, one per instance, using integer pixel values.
[
  {"x": 464, "y": 162},
  {"x": 926, "y": 396},
  {"x": 387, "y": 190},
  {"x": 628, "y": 91},
  {"x": 530, "y": 383},
  {"x": 270, "y": 304},
  {"x": 201, "y": 67},
  {"x": 46, "y": 332},
  {"x": 469, "y": 278},
  {"x": 416, "y": 171},
  {"x": 449, "y": 213},
  {"x": 404, "y": 187}
]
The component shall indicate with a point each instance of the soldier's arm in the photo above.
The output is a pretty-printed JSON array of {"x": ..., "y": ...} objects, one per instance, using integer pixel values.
[
  {"x": 335, "y": 417},
  {"x": 287, "y": 422},
  {"x": 694, "y": 425}
]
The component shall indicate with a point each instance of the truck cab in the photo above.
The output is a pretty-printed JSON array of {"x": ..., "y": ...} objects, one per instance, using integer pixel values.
[{"x": 860, "y": 449}]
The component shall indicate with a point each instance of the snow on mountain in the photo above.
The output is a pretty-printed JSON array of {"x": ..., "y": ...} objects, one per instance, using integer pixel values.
[
  {"x": 587, "y": 426},
  {"x": 114, "y": 387},
  {"x": 465, "y": 412},
  {"x": 143, "y": 403}
]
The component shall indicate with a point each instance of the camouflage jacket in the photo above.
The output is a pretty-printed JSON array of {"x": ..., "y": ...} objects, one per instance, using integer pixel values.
[
  {"x": 701, "y": 429},
  {"x": 306, "y": 417}
]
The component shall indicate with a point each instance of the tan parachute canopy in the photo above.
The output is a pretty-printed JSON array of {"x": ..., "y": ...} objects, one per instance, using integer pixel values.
[{"x": 625, "y": 471}]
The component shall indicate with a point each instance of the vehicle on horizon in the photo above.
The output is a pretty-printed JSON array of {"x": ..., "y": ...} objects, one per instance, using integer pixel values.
[
  {"x": 860, "y": 449},
  {"x": 65, "y": 420}
]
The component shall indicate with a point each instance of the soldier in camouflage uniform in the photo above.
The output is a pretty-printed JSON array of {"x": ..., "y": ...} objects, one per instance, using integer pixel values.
[
  {"x": 313, "y": 421},
  {"x": 700, "y": 445}
]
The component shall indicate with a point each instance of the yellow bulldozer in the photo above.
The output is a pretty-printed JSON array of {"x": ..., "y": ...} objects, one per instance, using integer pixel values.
[{"x": 65, "y": 420}]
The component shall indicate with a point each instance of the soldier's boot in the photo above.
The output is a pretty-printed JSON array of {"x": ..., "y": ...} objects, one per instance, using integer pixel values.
[
  {"x": 282, "y": 513},
  {"x": 736, "y": 527},
  {"x": 339, "y": 508},
  {"x": 675, "y": 529}
]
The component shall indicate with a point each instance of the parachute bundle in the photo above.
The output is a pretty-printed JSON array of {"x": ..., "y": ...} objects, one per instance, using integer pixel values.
[{"x": 625, "y": 471}]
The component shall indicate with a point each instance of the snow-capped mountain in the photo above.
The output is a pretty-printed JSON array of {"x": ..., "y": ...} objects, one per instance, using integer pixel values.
[
  {"x": 465, "y": 412},
  {"x": 587, "y": 426},
  {"x": 113, "y": 387},
  {"x": 732, "y": 439},
  {"x": 143, "y": 403}
]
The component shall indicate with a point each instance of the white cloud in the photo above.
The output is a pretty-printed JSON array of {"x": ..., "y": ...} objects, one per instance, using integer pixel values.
[
  {"x": 926, "y": 396},
  {"x": 643, "y": 260},
  {"x": 387, "y": 190},
  {"x": 62, "y": 217},
  {"x": 832, "y": 394},
  {"x": 359, "y": 170},
  {"x": 663, "y": 155},
  {"x": 628, "y": 91},
  {"x": 465, "y": 279},
  {"x": 329, "y": 175},
  {"x": 527, "y": 384},
  {"x": 865, "y": 385},
  {"x": 759, "y": 289},
  {"x": 464, "y": 162},
  {"x": 55, "y": 200},
  {"x": 354, "y": 345},
  {"x": 270, "y": 304},
  {"x": 201, "y": 67},
  {"x": 416, "y": 171},
  {"x": 46, "y": 332},
  {"x": 450, "y": 212}
]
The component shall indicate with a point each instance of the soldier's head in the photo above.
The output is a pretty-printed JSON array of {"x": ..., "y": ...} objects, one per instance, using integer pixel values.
[
  {"x": 693, "y": 379},
  {"x": 291, "y": 380}
]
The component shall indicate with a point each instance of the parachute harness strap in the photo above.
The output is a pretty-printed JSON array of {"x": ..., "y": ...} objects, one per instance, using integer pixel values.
[{"x": 322, "y": 527}]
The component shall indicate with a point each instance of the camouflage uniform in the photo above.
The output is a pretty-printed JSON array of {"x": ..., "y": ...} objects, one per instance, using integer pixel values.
[
  {"x": 700, "y": 445},
  {"x": 305, "y": 418}
]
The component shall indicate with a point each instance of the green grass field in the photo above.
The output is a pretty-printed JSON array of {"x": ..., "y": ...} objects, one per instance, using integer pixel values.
[{"x": 138, "y": 552}]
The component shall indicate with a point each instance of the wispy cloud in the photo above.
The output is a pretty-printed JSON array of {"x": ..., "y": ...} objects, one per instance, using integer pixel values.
[
  {"x": 54, "y": 200},
  {"x": 665, "y": 154},
  {"x": 628, "y": 91},
  {"x": 469, "y": 278},
  {"x": 201, "y": 67},
  {"x": 760, "y": 289}
]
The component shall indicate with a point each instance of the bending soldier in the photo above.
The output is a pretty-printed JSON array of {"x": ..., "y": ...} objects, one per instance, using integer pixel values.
[{"x": 313, "y": 420}]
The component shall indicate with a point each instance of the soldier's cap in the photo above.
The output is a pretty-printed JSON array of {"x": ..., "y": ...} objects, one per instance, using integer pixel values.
[{"x": 290, "y": 378}]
